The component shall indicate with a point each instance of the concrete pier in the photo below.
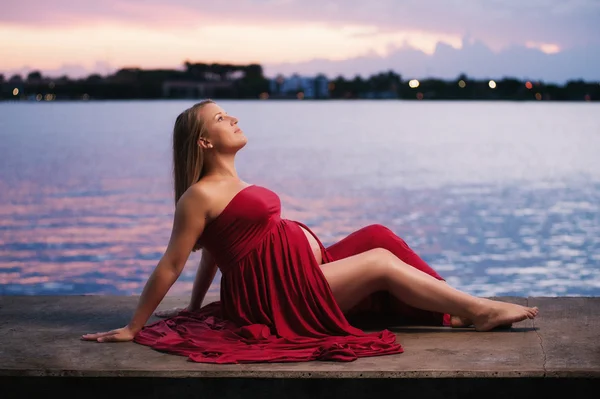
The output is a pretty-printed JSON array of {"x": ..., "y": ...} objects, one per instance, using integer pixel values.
[{"x": 41, "y": 353}]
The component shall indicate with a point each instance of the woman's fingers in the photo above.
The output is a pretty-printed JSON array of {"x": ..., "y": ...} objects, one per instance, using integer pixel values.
[
  {"x": 122, "y": 337},
  {"x": 93, "y": 337},
  {"x": 107, "y": 338},
  {"x": 118, "y": 335}
]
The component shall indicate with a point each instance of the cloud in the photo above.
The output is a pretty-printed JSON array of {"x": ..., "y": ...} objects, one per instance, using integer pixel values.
[
  {"x": 498, "y": 23},
  {"x": 501, "y": 37},
  {"x": 475, "y": 59},
  {"x": 154, "y": 14}
]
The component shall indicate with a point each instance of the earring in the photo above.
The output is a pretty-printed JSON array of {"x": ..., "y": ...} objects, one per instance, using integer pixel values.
[{"x": 206, "y": 141}]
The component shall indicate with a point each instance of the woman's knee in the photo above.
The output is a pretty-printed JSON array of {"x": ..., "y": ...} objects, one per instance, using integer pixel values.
[
  {"x": 378, "y": 229},
  {"x": 381, "y": 262},
  {"x": 379, "y": 236}
]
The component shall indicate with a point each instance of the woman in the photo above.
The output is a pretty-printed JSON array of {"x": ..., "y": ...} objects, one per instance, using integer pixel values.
[{"x": 284, "y": 297}]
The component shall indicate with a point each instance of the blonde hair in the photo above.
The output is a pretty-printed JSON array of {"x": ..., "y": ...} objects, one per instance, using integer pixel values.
[{"x": 188, "y": 156}]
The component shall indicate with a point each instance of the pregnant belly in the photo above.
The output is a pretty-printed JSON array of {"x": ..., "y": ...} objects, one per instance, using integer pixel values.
[{"x": 314, "y": 245}]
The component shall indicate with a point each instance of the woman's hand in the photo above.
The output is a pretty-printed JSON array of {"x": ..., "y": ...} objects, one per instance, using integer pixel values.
[
  {"x": 170, "y": 312},
  {"x": 124, "y": 334}
]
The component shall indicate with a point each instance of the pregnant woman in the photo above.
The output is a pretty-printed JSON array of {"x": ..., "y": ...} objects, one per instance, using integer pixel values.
[{"x": 284, "y": 296}]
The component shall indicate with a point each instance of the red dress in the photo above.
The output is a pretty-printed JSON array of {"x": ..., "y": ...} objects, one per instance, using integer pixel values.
[{"x": 276, "y": 305}]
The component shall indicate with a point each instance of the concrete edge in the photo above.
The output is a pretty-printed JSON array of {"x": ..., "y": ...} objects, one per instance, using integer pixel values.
[{"x": 300, "y": 375}]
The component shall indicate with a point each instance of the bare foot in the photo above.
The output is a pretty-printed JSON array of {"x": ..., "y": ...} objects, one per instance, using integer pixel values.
[
  {"x": 498, "y": 313},
  {"x": 169, "y": 312}
]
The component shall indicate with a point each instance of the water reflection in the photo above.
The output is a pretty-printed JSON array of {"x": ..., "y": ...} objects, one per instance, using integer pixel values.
[
  {"x": 484, "y": 240},
  {"x": 500, "y": 198}
]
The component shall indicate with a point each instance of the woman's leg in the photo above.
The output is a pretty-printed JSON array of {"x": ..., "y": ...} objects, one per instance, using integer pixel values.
[
  {"x": 379, "y": 236},
  {"x": 354, "y": 278},
  {"x": 381, "y": 307}
]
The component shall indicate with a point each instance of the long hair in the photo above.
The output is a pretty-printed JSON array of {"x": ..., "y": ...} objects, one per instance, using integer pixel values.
[{"x": 188, "y": 156}]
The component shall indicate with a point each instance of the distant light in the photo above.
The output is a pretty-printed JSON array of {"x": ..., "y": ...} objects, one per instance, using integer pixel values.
[
  {"x": 462, "y": 84},
  {"x": 85, "y": 97},
  {"x": 538, "y": 96},
  {"x": 38, "y": 97},
  {"x": 419, "y": 96},
  {"x": 414, "y": 84},
  {"x": 15, "y": 92},
  {"x": 492, "y": 84},
  {"x": 300, "y": 95},
  {"x": 49, "y": 97},
  {"x": 264, "y": 96},
  {"x": 529, "y": 85}
]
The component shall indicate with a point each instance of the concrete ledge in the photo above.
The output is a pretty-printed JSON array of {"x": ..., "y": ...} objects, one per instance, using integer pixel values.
[
  {"x": 39, "y": 341},
  {"x": 247, "y": 388}
]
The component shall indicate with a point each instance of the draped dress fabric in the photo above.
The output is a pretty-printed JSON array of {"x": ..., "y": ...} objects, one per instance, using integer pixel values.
[{"x": 275, "y": 303}]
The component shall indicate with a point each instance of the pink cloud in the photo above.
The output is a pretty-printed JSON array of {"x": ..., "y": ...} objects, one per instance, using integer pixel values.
[
  {"x": 59, "y": 12},
  {"x": 504, "y": 26},
  {"x": 475, "y": 59},
  {"x": 508, "y": 21}
]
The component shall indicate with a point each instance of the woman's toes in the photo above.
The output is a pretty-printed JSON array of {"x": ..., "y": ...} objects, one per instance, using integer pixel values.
[{"x": 534, "y": 311}]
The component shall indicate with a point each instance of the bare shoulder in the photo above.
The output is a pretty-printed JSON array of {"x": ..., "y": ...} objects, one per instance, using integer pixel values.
[
  {"x": 188, "y": 224},
  {"x": 195, "y": 201},
  {"x": 197, "y": 192}
]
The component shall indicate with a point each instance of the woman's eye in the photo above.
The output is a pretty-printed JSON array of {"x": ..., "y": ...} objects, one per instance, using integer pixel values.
[{"x": 220, "y": 118}]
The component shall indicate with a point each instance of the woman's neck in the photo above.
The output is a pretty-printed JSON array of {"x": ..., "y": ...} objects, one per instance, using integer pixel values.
[{"x": 222, "y": 166}]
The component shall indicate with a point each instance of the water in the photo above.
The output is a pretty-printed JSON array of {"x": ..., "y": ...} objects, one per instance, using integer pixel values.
[{"x": 500, "y": 198}]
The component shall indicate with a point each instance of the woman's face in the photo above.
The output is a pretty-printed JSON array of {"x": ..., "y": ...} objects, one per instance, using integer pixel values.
[{"x": 222, "y": 130}]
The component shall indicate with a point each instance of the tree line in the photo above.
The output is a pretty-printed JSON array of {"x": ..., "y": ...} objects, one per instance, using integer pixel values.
[{"x": 228, "y": 81}]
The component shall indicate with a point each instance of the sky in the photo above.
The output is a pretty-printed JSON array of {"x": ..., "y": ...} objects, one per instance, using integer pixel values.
[{"x": 550, "y": 40}]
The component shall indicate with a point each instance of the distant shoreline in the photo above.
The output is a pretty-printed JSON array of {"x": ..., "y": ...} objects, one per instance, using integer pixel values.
[{"x": 247, "y": 82}]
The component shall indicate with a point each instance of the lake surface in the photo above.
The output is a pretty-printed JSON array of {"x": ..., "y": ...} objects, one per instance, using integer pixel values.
[{"x": 502, "y": 198}]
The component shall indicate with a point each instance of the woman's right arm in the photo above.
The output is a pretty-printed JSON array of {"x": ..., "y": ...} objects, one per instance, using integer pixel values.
[{"x": 188, "y": 224}]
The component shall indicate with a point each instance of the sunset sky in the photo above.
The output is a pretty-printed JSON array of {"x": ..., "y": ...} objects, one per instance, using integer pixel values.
[{"x": 554, "y": 40}]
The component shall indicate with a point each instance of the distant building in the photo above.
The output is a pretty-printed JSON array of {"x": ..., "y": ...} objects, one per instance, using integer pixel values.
[
  {"x": 297, "y": 86},
  {"x": 187, "y": 89}
]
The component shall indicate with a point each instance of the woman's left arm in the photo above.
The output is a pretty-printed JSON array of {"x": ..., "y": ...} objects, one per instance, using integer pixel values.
[{"x": 204, "y": 278}]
